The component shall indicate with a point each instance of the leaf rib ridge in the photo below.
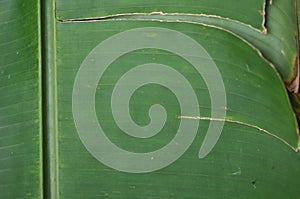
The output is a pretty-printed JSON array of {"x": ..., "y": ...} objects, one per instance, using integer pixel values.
[{"x": 240, "y": 123}]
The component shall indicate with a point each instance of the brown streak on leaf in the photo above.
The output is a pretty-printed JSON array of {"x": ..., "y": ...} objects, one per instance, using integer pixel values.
[
  {"x": 263, "y": 13},
  {"x": 293, "y": 83},
  {"x": 297, "y": 63}
]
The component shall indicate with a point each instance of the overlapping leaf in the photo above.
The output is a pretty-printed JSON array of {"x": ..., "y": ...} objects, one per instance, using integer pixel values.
[{"x": 246, "y": 11}]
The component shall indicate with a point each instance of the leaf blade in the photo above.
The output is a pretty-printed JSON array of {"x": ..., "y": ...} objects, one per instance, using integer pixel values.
[
  {"x": 20, "y": 103},
  {"x": 250, "y": 85},
  {"x": 244, "y": 10}
]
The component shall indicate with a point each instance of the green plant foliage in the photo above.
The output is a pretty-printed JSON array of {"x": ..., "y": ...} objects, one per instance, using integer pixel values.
[
  {"x": 245, "y": 156},
  {"x": 253, "y": 47},
  {"x": 248, "y": 12},
  {"x": 276, "y": 41},
  {"x": 20, "y": 112}
]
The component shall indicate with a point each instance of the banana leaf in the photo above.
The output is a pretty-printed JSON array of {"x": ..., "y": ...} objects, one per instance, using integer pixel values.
[
  {"x": 172, "y": 99},
  {"x": 242, "y": 160},
  {"x": 20, "y": 101}
]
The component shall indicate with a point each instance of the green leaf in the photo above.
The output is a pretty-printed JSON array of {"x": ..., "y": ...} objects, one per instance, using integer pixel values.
[
  {"x": 20, "y": 102},
  {"x": 235, "y": 136},
  {"x": 246, "y": 11},
  {"x": 244, "y": 144},
  {"x": 276, "y": 42}
]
